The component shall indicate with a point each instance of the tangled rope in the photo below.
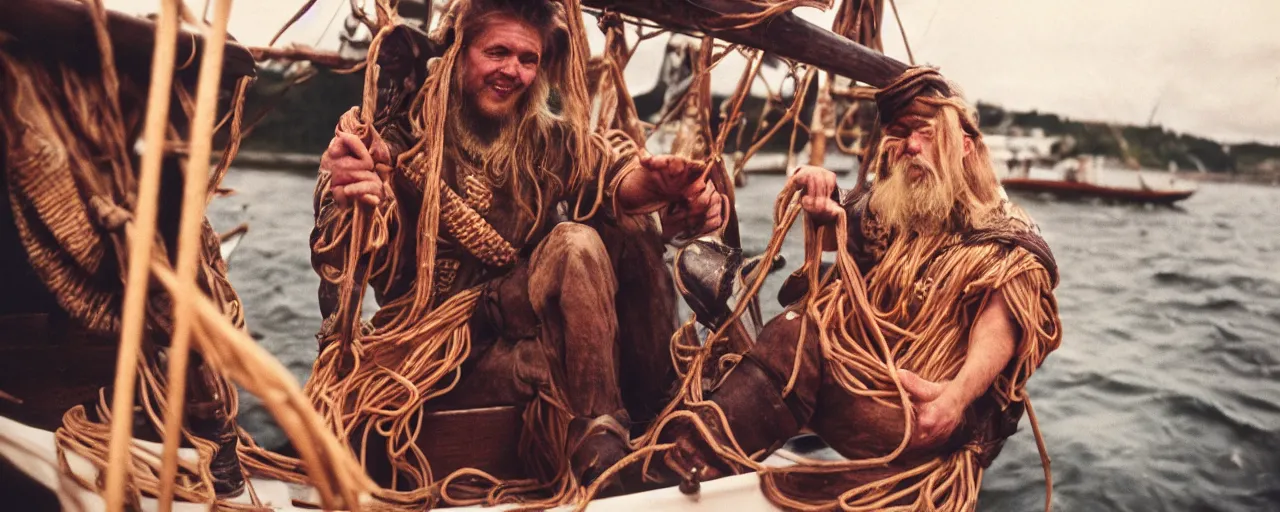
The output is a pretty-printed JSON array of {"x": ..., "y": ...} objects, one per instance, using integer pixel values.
[
  {"x": 855, "y": 338},
  {"x": 373, "y": 380},
  {"x": 369, "y": 382},
  {"x": 71, "y": 153}
]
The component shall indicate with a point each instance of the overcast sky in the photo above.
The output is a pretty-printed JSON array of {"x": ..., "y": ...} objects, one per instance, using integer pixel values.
[{"x": 1213, "y": 67}]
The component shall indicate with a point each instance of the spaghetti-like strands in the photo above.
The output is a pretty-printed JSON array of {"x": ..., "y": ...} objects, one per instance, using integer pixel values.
[{"x": 376, "y": 382}]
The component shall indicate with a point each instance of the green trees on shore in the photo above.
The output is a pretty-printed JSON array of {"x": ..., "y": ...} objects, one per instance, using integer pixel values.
[{"x": 300, "y": 119}]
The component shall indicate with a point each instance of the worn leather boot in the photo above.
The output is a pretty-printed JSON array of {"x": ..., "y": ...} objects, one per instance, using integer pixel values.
[
  {"x": 208, "y": 420},
  {"x": 601, "y": 443},
  {"x": 760, "y": 419},
  {"x": 710, "y": 275},
  {"x": 206, "y": 417},
  {"x": 707, "y": 276}
]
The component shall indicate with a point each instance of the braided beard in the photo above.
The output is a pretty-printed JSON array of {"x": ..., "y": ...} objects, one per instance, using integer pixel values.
[{"x": 916, "y": 197}]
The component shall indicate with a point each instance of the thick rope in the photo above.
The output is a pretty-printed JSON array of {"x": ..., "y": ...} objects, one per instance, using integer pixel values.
[
  {"x": 393, "y": 371},
  {"x": 65, "y": 127},
  {"x": 135, "y": 294},
  {"x": 842, "y": 310},
  {"x": 768, "y": 10},
  {"x": 375, "y": 381},
  {"x": 195, "y": 197}
]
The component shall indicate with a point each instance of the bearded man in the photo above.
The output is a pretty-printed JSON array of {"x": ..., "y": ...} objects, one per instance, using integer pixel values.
[
  {"x": 963, "y": 289},
  {"x": 547, "y": 310}
]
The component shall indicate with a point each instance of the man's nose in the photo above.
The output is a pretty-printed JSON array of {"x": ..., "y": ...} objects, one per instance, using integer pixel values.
[
  {"x": 511, "y": 68},
  {"x": 914, "y": 147}
]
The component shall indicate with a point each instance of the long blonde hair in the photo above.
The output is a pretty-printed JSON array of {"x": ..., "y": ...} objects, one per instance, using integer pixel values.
[
  {"x": 530, "y": 151},
  {"x": 977, "y": 199}
]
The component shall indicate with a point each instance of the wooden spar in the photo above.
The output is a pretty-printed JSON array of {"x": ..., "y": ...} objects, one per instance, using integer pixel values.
[
  {"x": 63, "y": 27},
  {"x": 303, "y": 53},
  {"x": 786, "y": 35}
]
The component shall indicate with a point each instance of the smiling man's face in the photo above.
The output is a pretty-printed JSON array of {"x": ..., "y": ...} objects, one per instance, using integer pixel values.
[{"x": 500, "y": 64}]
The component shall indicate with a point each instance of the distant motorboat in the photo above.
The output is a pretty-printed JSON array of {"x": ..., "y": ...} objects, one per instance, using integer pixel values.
[
  {"x": 1084, "y": 178},
  {"x": 1080, "y": 190}
]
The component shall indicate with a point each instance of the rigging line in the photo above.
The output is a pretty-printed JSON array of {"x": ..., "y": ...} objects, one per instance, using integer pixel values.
[
  {"x": 328, "y": 26},
  {"x": 641, "y": 22},
  {"x": 928, "y": 26},
  {"x": 910, "y": 58}
]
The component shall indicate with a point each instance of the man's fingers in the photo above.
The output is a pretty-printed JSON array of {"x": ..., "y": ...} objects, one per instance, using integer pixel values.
[
  {"x": 349, "y": 163},
  {"x": 811, "y": 205},
  {"x": 364, "y": 187},
  {"x": 713, "y": 219},
  {"x": 926, "y": 428},
  {"x": 815, "y": 181},
  {"x": 367, "y": 191},
  {"x": 833, "y": 210},
  {"x": 712, "y": 224},
  {"x": 828, "y": 181},
  {"x": 379, "y": 151},
  {"x": 702, "y": 204},
  {"x": 674, "y": 171},
  {"x": 658, "y": 163},
  {"x": 809, "y": 183},
  {"x": 716, "y": 213},
  {"x": 355, "y": 147},
  {"x": 919, "y": 388},
  {"x": 806, "y": 203},
  {"x": 347, "y": 177},
  {"x": 694, "y": 189},
  {"x": 714, "y": 207},
  {"x": 336, "y": 149},
  {"x": 339, "y": 195}
]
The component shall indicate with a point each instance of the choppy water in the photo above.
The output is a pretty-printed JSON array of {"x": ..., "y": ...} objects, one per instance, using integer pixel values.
[{"x": 1165, "y": 394}]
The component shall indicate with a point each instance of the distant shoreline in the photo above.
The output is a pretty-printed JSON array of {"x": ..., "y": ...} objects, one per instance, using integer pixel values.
[{"x": 764, "y": 163}]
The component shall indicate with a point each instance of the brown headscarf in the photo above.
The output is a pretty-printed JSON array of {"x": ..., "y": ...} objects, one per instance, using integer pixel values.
[{"x": 920, "y": 90}]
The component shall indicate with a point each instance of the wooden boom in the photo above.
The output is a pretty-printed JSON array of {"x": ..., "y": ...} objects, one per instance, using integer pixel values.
[
  {"x": 64, "y": 28},
  {"x": 786, "y": 35}
]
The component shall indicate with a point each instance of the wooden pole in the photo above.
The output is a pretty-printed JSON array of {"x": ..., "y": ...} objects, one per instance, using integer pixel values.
[
  {"x": 133, "y": 315},
  {"x": 823, "y": 118},
  {"x": 195, "y": 191}
]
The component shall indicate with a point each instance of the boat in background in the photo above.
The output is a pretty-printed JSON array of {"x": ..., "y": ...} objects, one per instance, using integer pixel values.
[
  {"x": 1086, "y": 181},
  {"x": 1079, "y": 190}
]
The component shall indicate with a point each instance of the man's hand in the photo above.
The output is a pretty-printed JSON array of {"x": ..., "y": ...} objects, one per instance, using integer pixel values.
[
  {"x": 937, "y": 412},
  {"x": 817, "y": 184},
  {"x": 694, "y": 204},
  {"x": 354, "y": 168}
]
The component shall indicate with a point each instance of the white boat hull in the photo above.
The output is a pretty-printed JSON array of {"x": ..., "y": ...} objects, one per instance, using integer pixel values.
[{"x": 33, "y": 452}]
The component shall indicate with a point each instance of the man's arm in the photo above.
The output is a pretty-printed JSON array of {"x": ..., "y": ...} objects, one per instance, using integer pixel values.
[
  {"x": 348, "y": 179},
  {"x": 990, "y": 348},
  {"x": 940, "y": 406},
  {"x": 654, "y": 182}
]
